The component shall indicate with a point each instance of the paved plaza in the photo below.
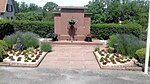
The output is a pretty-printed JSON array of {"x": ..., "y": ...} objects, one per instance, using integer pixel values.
[
  {"x": 70, "y": 64},
  {"x": 71, "y": 57}
]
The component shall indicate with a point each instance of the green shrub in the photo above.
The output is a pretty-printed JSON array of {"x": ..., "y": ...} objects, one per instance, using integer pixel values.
[
  {"x": 30, "y": 49},
  {"x": 10, "y": 40},
  {"x": 103, "y": 31},
  {"x": 46, "y": 47},
  {"x": 143, "y": 35},
  {"x": 2, "y": 52},
  {"x": 28, "y": 39},
  {"x": 97, "y": 49},
  {"x": 110, "y": 49},
  {"x": 127, "y": 44},
  {"x": 3, "y": 45},
  {"x": 8, "y": 27},
  {"x": 140, "y": 55}
]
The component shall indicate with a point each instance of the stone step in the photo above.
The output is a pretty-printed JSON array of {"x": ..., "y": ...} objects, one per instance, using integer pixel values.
[{"x": 65, "y": 42}]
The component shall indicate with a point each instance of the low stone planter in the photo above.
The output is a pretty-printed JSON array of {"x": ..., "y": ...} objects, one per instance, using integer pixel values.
[
  {"x": 23, "y": 58},
  {"x": 115, "y": 61}
]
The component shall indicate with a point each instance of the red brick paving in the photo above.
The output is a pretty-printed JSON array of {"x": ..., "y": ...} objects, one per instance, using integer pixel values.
[{"x": 71, "y": 57}]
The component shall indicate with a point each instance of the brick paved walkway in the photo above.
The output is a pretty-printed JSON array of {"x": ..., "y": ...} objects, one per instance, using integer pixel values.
[{"x": 71, "y": 57}]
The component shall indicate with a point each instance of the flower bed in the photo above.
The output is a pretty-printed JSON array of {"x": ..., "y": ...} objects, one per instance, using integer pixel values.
[
  {"x": 24, "y": 58},
  {"x": 110, "y": 60}
]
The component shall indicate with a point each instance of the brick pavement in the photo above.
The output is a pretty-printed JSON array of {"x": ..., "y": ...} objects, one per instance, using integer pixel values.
[{"x": 71, "y": 57}]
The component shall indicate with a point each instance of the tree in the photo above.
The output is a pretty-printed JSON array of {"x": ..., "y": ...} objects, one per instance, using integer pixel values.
[
  {"x": 32, "y": 16},
  {"x": 33, "y": 7},
  {"x": 48, "y": 10},
  {"x": 28, "y": 12},
  {"x": 48, "y": 16},
  {"x": 23, "y": 7},
  {"x": 50, "y": 6},
  {"x": 16, "y": 6},
  {"x": 114, "y": 11},
  {"x": 97, "y": 8}
]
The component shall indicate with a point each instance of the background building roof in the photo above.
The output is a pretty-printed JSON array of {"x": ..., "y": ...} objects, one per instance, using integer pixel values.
[
  {"x": 3, "y": 5},
  {"x": 72, "y": 7}
]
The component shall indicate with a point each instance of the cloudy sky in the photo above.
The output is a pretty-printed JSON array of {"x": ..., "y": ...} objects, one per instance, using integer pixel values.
[{"x": 59, "y": 2}]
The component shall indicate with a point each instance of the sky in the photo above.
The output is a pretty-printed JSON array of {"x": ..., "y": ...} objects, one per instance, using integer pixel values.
[{"x": 41, "y": 3}]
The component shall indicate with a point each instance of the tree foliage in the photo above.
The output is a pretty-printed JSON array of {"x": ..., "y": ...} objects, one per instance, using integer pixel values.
[
  {"x": 32, "y": 16},
  {"x": 33, "y": 12},
  {"x": 23, "y": 7},
  {"x": 50, "y": 6},
  {"x": 113, "y": 11},
  {"x": 103, "y": 11},
  {"x": 97, "y": 8}
]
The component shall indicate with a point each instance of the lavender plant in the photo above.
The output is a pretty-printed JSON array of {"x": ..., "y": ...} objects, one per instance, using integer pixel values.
[
  {"x": 127, "y": 44},
  {"x": 28, "y": 39}
]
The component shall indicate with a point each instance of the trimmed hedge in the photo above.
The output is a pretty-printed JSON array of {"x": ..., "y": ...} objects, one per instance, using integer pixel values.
[
  {"x": 8, "y": 27},
  {"x": 40, "y": 28},
  {"x": 103, "y": 31}
]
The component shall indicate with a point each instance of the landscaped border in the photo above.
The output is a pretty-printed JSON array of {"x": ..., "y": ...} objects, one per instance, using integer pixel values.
[
  {"x": 133, "y": 68},
  {"x": 25, "y": 64}
]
